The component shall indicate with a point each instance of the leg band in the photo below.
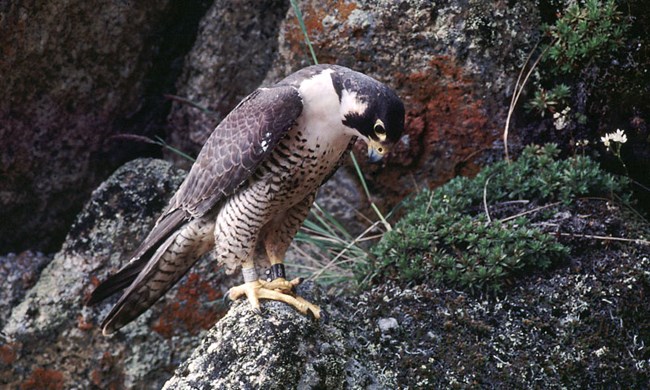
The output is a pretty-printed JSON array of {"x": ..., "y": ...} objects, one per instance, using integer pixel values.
[
  {"x": 276, "y": 271},
  {"x": 250, "y": 275}
]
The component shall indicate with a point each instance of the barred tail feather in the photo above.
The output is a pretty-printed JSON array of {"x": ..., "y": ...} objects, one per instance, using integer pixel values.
[
  {"x": 171, "y": 260},
  {"x": 165, "y": 226}
]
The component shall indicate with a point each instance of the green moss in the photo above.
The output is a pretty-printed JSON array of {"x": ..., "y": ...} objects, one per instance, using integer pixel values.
[{"x": 446, "y": 235}]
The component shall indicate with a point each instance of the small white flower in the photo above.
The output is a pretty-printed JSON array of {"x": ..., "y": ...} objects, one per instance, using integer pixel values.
[
  {"x": 560, "y": 122},
  {"x": 605, "y": 140},
  {"x": 561, "y": 119},
  {"x": 618, "y": 137}
]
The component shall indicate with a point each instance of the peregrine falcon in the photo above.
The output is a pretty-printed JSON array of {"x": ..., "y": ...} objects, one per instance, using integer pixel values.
[{"x": 253, "y": 184}]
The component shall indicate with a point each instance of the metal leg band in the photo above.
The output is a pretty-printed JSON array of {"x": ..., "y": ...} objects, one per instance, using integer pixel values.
[
  {"x": 276, "y": 271},
  {"x": 250, "y": 274}
]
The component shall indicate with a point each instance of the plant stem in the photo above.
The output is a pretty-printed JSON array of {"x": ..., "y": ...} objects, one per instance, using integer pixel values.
[
  {"x": 301, "y": 21},
  {"x": 519, "y": 87},
  {"x": 365, "y": 189}
]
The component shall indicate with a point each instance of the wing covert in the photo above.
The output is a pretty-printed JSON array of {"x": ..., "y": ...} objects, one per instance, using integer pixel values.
[{"x": 237, "y": 146}]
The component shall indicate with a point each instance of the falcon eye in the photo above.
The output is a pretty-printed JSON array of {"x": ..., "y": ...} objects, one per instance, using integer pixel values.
[{"x": 380, "y": 130}]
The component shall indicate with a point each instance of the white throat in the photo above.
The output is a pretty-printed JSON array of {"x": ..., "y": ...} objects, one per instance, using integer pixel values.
[
  {"x": 322, "y": 113},
  {"x": 352, "y": 104}
]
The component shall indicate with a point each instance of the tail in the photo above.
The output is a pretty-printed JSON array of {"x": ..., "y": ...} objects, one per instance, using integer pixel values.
[
  {"x": 163, "y": 258},
  {"x": 127, "y": 274}
]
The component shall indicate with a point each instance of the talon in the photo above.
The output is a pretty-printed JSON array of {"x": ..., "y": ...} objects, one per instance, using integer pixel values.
[
  {"x": 324, "y": 317},
  {"x": 306, "y": 306},
  {"x": 295, "y": 283},
  {"x": 257, "y": 290}
]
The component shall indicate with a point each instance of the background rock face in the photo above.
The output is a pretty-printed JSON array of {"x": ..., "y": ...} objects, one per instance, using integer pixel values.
[
  {"x": 73, "y": 74},
  {"x": 233, "y": 51},
  {"x": 78, "y": 73},
  {"x": 453, "y": 64}
]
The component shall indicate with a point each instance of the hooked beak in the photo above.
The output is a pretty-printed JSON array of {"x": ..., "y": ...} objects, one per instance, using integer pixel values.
[{"x": 376, "y": 151}]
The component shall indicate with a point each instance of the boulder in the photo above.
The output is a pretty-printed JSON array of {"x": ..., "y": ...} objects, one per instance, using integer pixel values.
[
  {"x": 279, "y": 349},
  {"x": 454, "y": 64},
  {"x": 51, "y": 334}
]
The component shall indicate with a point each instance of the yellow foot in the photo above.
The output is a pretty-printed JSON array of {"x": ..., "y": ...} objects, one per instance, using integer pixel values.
[
  {"x": 281, "y": 284},
  {"x": 255, "y": 291}
]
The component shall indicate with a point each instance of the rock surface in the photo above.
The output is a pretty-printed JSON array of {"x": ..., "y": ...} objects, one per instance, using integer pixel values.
[
  {"x": 279, "y": 349},
  {"x": 50, "y": 334}
]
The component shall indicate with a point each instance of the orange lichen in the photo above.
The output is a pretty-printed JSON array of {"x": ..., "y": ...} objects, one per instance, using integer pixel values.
[
  {"x": 7, "y": 354},
  {"x": 185, "y": 310},
  {"x": 83, "y": 324},
  {"x": 107, "y": 375},
  {"x": 442, "y": 111},
  {"x": 313, "y": 18},
  {"x": 94, "y": 282},
  {"x": 446, "y": 127},
  {"x": 43, "y": 379}
]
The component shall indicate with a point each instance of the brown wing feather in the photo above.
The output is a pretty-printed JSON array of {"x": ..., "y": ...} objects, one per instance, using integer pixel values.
[{"x": 237, "y": 146}]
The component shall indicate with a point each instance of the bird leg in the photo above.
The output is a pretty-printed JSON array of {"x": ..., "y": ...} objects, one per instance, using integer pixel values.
[
  {"x": 276, "y": 278},
  {"x": 278, "y": 288},
  {"x": 276, "y": 238}
]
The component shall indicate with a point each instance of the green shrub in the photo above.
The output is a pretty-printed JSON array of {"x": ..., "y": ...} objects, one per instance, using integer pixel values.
[
  {"x": 546, "y": 100},
  {"x": 446, "y": 236},
  {"x": 586, "y": 33}
]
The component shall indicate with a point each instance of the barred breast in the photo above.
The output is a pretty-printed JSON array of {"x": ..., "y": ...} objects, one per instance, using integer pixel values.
[{"x": 294, "y": 170}]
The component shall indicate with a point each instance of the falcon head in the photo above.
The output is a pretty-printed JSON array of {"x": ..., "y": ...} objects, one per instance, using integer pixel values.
[{"x": 371, "y": 110}]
